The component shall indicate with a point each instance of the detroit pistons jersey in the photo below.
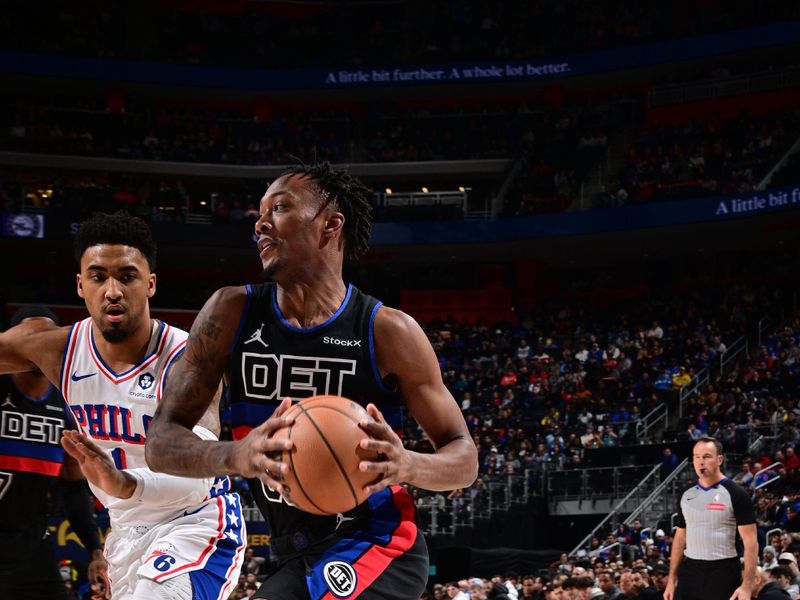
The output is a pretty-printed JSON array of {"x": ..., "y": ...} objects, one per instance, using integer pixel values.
[
  {"x": 115, "y": 409},
  {"x": 272, "y": 359},
  {"x": 30, "y": 455}
]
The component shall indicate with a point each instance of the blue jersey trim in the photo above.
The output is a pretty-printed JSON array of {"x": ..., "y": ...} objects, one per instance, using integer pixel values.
[
  {"x": 138, "y": 364},
  {"x": 66, "y": 351},
  {"x": 32, "y": 450},
  {"x": 41, "y": 398},
  {"x": 172, "y": 361},
  {"x": 705, "y": 489},
  {"x": 330, "y": 320},
  {"x": 371, "y": 337}
]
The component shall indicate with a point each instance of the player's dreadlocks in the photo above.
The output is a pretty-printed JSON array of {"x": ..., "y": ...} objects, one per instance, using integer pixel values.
[
  {"x": 346, "y": 194},
  {"x": 118, "y": 228}
]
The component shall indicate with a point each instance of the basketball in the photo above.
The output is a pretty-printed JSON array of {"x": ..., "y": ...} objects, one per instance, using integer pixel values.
[{"x": 324, "y": 478}]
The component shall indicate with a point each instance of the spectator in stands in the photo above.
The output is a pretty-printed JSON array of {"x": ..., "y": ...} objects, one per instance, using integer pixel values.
[
  {"x": 250, "y": 578},
  {"x": 661, "y": 542},
  {"x": 765, "y": 589},
  {"x": 655, "y": 331},
  {"x": 791, "y": 461},
  {"x": 769, "y": 558},
  {"x": 253, "y": 564},
  {"x": 533, "y": 588},
  {"x": 664, "y": 381},
  {"x": 744, "y": 476},
  {"x": 626, "y": 583},
  {"x": 790, "y": 434},
  {"x": 792, "y": 520},
  {"x": 789, "y": 543},
  {"x": 681, "y": 378},
  {"x": 787, "y": 559},
  {"x": 583, "y": 586},
  {"x": 455, "y": 593},
  {"x": 693, "y": 432},
  {"x": 777, "y": 584},
  {"x": 642, "y": 586},
  {"x": 564, "y": 565},
  {"x": 608, "y": 586},
  {"x": 498, "y": 591},
  {"x": 762, "y": 475},
  {"x": 591, "y": 438},
  {"x": 669, "y": 461},
  {"x": 659, "y": 579},
  {"x": 476, "y": 589}
]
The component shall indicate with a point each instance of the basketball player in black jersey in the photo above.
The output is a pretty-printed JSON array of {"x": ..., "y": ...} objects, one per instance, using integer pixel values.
[
  {"x": 33, "y": 465},
  {"x": 309, "y": 333}
]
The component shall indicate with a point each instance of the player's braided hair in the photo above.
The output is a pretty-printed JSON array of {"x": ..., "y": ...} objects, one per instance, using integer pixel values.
[
  {"x": 346, "y": 194},
  {"x": 117, "y": 228}
]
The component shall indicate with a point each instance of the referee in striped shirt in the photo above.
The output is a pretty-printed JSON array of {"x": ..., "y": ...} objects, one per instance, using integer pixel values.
[{"x": 703, "y": 559}]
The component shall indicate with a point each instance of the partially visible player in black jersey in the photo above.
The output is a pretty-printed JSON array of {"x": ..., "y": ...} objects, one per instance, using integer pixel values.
[
  {"x": 308, "y": 333},
  {"x": 33, "y": 465}
]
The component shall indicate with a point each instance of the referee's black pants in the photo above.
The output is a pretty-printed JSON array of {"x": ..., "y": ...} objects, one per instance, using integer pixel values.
[{"x": 708, "y": 579}]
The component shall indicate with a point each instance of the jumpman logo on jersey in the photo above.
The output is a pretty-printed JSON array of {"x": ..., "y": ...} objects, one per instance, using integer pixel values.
[
  {"x": 256, "y": 337},
  {"x": 340, "y": 519},
  {"x": 8, "y": 401}
]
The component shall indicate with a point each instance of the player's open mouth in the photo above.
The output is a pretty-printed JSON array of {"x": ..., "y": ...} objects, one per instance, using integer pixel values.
[
  {"x": 264, "y": 247},
  {"x": 115, "y": 314}
]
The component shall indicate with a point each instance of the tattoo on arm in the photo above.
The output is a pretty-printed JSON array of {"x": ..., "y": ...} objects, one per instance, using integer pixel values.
[
  {"x": 209, "y": 329},
  {"x": 190, "y": 398}
]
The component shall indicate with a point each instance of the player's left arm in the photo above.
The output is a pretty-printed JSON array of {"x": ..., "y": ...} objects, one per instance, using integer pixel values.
[
  {"x": 745, "y": 514},
  {"x": 138, "y": 484},
  {"x": 402, "y": 349},
  {"x": 750, "y": 542}
]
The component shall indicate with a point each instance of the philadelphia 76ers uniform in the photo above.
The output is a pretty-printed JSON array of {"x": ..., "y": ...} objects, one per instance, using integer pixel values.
[{"x": 203, "y": 534}]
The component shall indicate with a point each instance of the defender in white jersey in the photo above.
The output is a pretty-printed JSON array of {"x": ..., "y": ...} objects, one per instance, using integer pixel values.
[{"x": 171, "y": 537}]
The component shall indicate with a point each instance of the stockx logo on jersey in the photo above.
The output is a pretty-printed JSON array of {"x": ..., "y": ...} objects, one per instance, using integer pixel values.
[
  {"x": 340, "y": 577},
  {"x": 146, "y": 381}
]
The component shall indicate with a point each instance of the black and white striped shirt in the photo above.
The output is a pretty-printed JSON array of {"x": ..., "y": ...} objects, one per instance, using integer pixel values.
[{"x": 711, "y": 516}]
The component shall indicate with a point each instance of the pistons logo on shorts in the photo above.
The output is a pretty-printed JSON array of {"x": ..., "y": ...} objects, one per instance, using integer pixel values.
[{"x": 340, "y": 577}]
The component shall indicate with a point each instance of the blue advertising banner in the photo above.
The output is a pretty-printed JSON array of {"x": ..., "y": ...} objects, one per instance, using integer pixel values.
[
  {"x": 596, "y": 221},
  {"x": 603, "y": 220},
  {"x": 774, "y": 34}
]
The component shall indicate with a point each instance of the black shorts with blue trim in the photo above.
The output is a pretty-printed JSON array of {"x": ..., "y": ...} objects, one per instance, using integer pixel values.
[{"x": 383, "y": 559}]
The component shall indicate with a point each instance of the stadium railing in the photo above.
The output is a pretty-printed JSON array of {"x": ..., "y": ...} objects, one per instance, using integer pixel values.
[
  {"x": 612, "y": 518},
  {"x": 690, "y": 388},
  {"x": 732, "y": 352}
]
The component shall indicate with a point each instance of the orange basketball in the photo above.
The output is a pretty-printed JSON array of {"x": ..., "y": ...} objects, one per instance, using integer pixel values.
[{"x": 324, "y": 478}]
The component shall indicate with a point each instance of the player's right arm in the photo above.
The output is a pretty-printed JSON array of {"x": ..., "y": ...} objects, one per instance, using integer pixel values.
[
  {"x": 675, "y": 559},
  {"x": 33, "y": 344},
  {"x": 171, "y": 447}
]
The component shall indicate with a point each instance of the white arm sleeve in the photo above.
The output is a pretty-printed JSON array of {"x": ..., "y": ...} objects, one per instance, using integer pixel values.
[{"x": 161, "y": 489}]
